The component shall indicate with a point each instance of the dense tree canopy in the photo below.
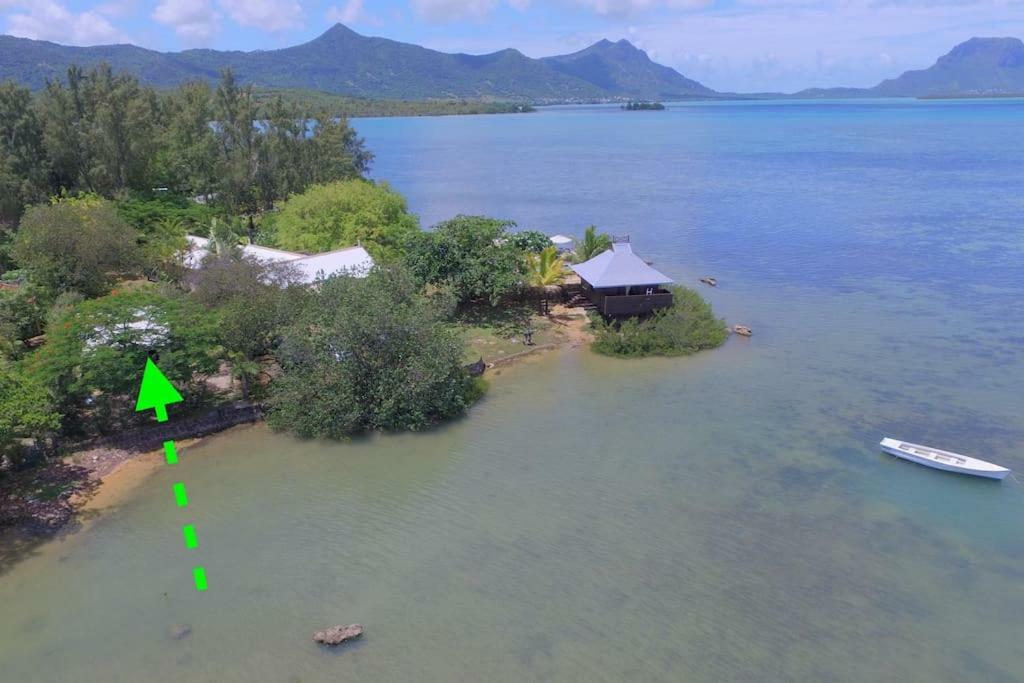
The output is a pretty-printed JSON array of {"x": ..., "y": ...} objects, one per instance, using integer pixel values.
[
  {"x": 530, "y": 241},
  {"x": 22, "y": 314},
  {"x": 23, "y": 169},
  {"x": 25, "y": 409},
  {"x": 95, "y": 353},
  {"x": 370, "y": 354},
  {"x": 97, "y": 131},
  {"x": 470, "y": 254},
  {"x": 75, "y": 245},
  {"x": 342, "y": 214}
]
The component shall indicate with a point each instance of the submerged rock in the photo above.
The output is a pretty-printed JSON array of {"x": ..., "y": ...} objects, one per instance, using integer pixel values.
[
  {"x": 743, "y": 330},
  {"x": 179, "y": 631},
  {"x": 336, "y": 635}
]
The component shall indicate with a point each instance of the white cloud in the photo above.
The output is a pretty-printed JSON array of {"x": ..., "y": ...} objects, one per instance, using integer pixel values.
[
  {"x": 194, "y": 21},
  {"x": 50, "y": 20},
  {"x": 626, "y": 7},
  {"x": 268, "y": 15},
  {"x": 352, "y": 12},
  {"x": 453, "y": 10},
  {"x": 788, "y": 45}
]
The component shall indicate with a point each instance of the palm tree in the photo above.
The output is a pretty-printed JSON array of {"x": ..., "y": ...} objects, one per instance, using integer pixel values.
[
  {"x": 545, "y": 272},
  {"x": 244, "y": 369},
  {"x": 223, "y": 238},
  {"x": 592, "y": 244}
]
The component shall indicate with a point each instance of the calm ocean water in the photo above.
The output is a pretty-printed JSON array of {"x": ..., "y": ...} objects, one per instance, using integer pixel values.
[{"x": 726, "y": 517}]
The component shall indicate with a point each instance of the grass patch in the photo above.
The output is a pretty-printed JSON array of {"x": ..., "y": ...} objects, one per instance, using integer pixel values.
[{"x": 498, "y": 332}]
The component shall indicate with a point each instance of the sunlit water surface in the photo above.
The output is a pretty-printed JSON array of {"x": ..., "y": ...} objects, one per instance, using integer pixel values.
[{"x": 726, "y": 517}]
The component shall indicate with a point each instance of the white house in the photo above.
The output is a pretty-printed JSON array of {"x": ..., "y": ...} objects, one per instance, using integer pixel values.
[{"x": 354, "y": 261}]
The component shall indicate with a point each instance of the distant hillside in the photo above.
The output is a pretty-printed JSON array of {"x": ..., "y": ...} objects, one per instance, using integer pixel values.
[
  {"x": 979, "y": 66},
  {"x": 623, "y": 69},
  {"x": 342, "y": 61}
]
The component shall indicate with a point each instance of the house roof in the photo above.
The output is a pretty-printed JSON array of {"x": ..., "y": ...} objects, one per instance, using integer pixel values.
[
  {"x": 619, "y": 267},
  {"x": 562, "y": 239},
  {"x": 354, "y": 261}
]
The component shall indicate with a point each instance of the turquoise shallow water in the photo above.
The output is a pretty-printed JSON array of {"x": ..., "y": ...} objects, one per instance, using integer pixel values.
[{"x": 726, "y": 517}]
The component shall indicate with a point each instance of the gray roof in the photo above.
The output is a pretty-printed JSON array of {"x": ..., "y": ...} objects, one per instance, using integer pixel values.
[{"x": 619, "y": 267}]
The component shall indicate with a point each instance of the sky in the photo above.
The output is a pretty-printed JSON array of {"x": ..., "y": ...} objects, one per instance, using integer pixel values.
[{"x": 729, "y": 45}]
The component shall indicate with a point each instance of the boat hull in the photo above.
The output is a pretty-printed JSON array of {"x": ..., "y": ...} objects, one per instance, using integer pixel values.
[{"x": 941, "y": 460}]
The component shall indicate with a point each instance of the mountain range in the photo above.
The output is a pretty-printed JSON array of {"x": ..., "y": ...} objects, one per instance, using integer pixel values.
[{"x": 342, "y": 61}]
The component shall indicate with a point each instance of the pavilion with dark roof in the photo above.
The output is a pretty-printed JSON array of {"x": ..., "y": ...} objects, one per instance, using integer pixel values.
[{"x": 620, "y": 283}]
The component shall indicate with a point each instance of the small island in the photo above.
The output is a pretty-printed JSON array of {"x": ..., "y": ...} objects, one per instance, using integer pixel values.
[{"x": 643, "y": 106}]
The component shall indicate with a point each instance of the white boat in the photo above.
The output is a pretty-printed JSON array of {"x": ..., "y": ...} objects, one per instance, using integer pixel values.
[{"x": 943, "y": 460}]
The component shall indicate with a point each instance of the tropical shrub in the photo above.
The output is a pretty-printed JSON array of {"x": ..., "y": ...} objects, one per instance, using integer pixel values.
[
  {"x": 343, "y": 214},
  {"x": 25, "y": 410},
  {"x": 95, "y": 353},
  {"x": 78, "y": 245},
  {"x": 687, "y": 327},
  {"x": 592, "y": 244},
  {"x": 530, "y": 241},
  {"x": 370, "y": 354},
  {"x": 469, "y": 254}
]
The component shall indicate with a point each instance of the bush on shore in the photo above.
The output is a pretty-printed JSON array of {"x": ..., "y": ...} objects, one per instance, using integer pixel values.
[
  {"x": 370, "y": 354},
  {"x": 687, "y": 327}
]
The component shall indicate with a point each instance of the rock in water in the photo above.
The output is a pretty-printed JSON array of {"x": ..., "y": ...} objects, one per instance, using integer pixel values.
[
  {"x": 336, "y": 635},
  {"x": 179, "y": 631}
]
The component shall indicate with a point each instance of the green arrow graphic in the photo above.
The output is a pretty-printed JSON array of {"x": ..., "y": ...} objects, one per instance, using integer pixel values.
[{"x": 156, "y": 392}]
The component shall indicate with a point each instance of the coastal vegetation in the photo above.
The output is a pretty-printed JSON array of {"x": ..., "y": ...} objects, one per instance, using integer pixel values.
[
  {"x": 592, "y": 244},
  {"x": 472, "y": 255},
  {"x": 545, "y": 271},
  {"x": 344, "y": 106},
  {"x": 75, "y": 245},
  {"x": 343, "y": 213},
  {"x": 373, "y": 353},
  {"x": 688, "y": 326},
  {"x": 644, "y": 106},
  {"x": 104, "y": 180},
  {"x": 100, "y": 132}
]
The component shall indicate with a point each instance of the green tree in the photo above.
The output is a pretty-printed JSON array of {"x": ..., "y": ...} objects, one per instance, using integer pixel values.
[
  {"x": 100, "y": 130},
  {"x": 530, "y": 241},
  {"x": 592, "y": 244},
  {"x": 545, "y": 271},
  {"x": 471, "y": 254},
  {"x": 370, "y": 354},
  {"x": 188, "y": 157},
  {"x": 346, "y": 213},
  {"x": 94, "y": 355},
  {"x": 22, "y": 314},
  {"x": 23, "y": 163},
  {"x": 238, "y": 145},
  {"x": 76, "y": 245},
  {"x": 25, "y": 410},
  {"x": 255, "y": 300},
  {"x": 224, "y": 278}
]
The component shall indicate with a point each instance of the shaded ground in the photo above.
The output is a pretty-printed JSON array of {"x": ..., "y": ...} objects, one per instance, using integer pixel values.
[{"x": 498, "y": 335}]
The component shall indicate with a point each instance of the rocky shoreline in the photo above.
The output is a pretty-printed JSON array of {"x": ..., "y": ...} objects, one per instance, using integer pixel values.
[{"x": 39, "y": 502}]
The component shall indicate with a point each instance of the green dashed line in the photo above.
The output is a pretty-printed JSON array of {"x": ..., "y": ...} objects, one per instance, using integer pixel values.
[
  {"x": 189, "y": 532},
  {"x": 199, "y": 575},
  {"x": 180, "y": 495},
  {"x": 171, "y": 452}
]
